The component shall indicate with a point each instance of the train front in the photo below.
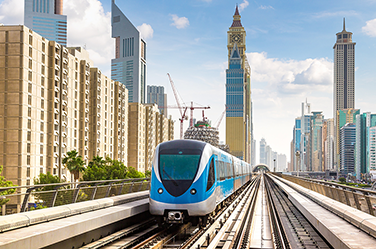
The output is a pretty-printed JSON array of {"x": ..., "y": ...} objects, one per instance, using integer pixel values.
[{"x": 179, "y": 181}]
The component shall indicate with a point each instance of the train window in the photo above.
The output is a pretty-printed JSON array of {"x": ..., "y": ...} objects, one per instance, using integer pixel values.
[{"x": 211, "y": 175}]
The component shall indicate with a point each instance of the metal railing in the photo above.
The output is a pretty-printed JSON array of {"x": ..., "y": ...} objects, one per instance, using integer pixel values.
[
  {"x": 361, "y": 199},
  {"x": 32, "y": 197}
]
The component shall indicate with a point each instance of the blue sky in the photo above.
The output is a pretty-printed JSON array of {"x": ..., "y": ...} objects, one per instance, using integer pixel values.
[{"x": 289, "y": 48}]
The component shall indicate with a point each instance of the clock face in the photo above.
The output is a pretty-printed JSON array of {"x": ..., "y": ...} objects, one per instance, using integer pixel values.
[{"x": 236, "y": 38}]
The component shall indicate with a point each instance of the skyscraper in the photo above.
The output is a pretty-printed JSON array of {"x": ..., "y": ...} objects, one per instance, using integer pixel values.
[
  {"x": 347, "y": 146},
  {"x": 238, "y": 93},
  {"x": 344, "y": 78},
  {"x": 46, "y": 18},
  {"x": 263, "y": 151},
  {"x": 156, "y": 95},
  {"x": 129, "y": 65},
  {"x": 344, "y": 70}
]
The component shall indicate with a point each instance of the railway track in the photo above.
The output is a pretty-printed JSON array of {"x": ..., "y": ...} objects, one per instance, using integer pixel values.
[
  {"x": 260, "y": 216},
  {"x": 290, "y": 228}
]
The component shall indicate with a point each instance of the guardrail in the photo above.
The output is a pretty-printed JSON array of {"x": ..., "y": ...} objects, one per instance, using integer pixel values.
[
  {"x": 33, "y": 197},
  {"x": 361, "y": 199}
]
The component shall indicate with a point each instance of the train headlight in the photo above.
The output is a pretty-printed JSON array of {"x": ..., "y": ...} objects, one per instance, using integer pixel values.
[
  {"x": 193, "y": 191},
  {"x": 160, "y": 191}
]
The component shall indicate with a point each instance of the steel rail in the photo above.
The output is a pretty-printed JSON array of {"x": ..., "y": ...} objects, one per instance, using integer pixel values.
[{"x": 278, "y": 231}]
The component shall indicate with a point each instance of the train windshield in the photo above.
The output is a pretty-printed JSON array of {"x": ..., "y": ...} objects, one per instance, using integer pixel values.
[{"x": 177, "y": 164}]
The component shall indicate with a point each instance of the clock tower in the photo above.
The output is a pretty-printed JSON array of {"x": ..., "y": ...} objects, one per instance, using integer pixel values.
[
  {"x": 236, "y": 34},
  {"x": 239, "y": 128}
]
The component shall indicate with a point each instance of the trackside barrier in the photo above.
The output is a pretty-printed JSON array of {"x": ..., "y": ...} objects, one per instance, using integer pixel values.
[
  {"x": 361, "y": 199},
  {"x": 59, "y": 194}
]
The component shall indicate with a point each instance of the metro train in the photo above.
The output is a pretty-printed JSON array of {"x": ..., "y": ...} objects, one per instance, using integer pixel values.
[{"x": 190, "y": 178}]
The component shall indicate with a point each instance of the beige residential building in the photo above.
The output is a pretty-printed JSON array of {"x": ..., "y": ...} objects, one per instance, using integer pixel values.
[
  {"x": 102, "y": 113},
  {"x": 136, "y": 136},
  {"x": 151, "y": 143},
  {"x": 121, "y": 123},
  {"x": 154, "y": 129},
  {"x": 52, "y": 101}
]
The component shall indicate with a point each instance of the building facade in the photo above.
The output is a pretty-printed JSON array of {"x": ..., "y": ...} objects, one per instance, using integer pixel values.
[
  {"x": 262, "y": 151},
  {"x": 156, "y": 95},
  {"x": 129, "y": 65},
  {"x": 238, "y": 93},
  {"x": 344, "y": 78},
  {"x": 52, "y": 101},
  {"x": 46, "y": 18},
  {"x": 347, "y": 147}
]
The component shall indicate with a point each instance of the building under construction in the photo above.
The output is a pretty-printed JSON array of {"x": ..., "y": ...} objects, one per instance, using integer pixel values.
[{"x": 204, "y": 132}]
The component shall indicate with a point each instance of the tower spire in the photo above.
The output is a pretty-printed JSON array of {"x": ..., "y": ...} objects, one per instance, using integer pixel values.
[
  {"x": 236, "y": 22},
  {"x": 344, "y": 26}
]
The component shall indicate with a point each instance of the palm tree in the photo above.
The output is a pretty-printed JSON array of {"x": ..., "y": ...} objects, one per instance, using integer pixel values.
[{"x": 74, "y": 163}]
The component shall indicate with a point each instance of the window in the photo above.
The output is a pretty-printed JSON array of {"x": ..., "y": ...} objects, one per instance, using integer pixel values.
[
  {"x": 42, "y": 126},
  {"x": 30, "y": 64},
  {"x": 28, "y": 148},
  {"x": 211, "y": 175},
  {"x": 28, "y": 172},
  {"x": 42, "y": 115},
  {"x": 29, "y": 123},
  {"x": 30, "y": 76},
  {"x": 29, "y": 111},
  {"x": 28, "y": 160},
  {"x": 30, "y": 88},
  {"x": 30, "y": 52},
  {"x": 29, "y": 100}
]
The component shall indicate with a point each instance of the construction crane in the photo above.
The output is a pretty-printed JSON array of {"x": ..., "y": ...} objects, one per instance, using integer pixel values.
[
  {"x": 196, "y": 107},
  {"x": 220, "y": 119},
  {"x": 182, "y": 107},
  {"x": 182, "y": 110}
]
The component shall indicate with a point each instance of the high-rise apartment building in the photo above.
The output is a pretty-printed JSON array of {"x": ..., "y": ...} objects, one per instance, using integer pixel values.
[
  {"x": 347, "y": 147},
  {"x": 156, "y": 95},
  {"x": 343, "y": 117},
  {"x": 328, "y": 144},
  {"x": 238, "y": 93},
  {"x": 315, "y": 140},
  {"x": 297, "y": 136},
  {"x": 372, "y": 150},
  {"x": 46, "y": 18},
  {"x": 52, "y": 102},
  {"x": 129, "y": 65},
  {"x": 364, "y": 123},
  {"x": 147, "y": 129}
]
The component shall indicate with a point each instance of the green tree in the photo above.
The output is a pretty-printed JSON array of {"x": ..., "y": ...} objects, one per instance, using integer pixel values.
[
  {"x": 147, "y": 173},
  {"x": 74, "y": 163},
  {"x": 99, "y": 169},
  {"x": 133, "y": 173},
  {"x": 4, "y": 184},
  {"x": 342, "y": 179},
  {"x": 64, "y": 196}
]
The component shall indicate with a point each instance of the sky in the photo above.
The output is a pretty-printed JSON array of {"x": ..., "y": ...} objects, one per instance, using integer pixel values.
[{"x": 289, "y": 48}]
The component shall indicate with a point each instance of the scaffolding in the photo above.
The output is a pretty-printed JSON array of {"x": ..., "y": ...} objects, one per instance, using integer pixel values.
[{"x": 202, "y": 131}]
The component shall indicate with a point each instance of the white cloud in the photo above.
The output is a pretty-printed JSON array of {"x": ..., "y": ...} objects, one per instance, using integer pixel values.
[
  {"x": 264, "y": 7},
  {"x": 370, "y": 28},
  {"x": 291, "y": 76},
  {"x": 11, "y": 12},
  {"x": 146, "y": 31},
  {"x": 243, "y": 5},
  {"x": 90, "y": 26},
  {"x": 179, "y": 22},
  {"x": 278, "y": 89}
]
